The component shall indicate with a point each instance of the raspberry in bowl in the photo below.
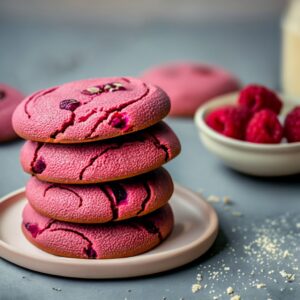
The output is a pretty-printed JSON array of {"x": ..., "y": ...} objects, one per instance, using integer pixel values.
[{"x": 265, "y": 146}]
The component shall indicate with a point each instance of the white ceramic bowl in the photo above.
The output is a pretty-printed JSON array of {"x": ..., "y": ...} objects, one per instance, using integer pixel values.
[{"x": 250, "y": 158}]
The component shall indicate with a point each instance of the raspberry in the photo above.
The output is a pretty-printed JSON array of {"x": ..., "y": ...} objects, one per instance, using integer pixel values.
[
  {"x": 33, "y": 229},
  {"x": 292, "y": 125},
  {"x": 256, "y": 98},
  {"x": 2, "y": 94},
  {"x": 264, "y": 128},
  {"x": 39, "y": 166},
  {"x": 230, "y": 121},
  {"x": 119, "y": 120},
  {"x": 69, "y": 104}
]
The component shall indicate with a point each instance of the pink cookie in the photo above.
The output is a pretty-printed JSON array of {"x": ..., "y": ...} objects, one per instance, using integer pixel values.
[
  {"x": 90, "y": 110},
  {"x": 102, "y": 161},
  {"x": 110, "y": 240},
  {"x": 118, "y": 200},
  {"x": 191, "y": 84},
  {"x": 9, "y": 99}
]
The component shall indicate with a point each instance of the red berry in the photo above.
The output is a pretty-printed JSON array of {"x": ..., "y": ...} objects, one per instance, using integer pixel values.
[
  {"x": 256, "y": 98},
  {"x": 230, "y": 121},
  {"x": 264, "y": 128},
  {"x": 69, "y": 104},
  {"x": 292, "y": 125}
]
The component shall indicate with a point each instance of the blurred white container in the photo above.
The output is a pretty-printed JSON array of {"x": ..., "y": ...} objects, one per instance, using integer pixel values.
[{"x": 291, "y": 50}]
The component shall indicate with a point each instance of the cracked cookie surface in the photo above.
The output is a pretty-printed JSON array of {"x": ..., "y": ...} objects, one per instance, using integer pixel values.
[
  {"x": 10, "y": 98},
  {"x": 90, "y": 110},
  {"x": 101, "y": 241},
  {"x": 103, "y": 202},
  {"x": 101, "y": 161}
]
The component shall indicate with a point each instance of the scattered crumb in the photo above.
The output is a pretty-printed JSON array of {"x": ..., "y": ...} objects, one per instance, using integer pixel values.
[
  {"x": 56, "y": 289},
  {"x": 288, "y": 276},
  {"x": 213, "y": 198},
  {"x": 237, "y": 213},
  {"x": 199, "y": 277},
  {"x": 260, "y": 285},
  {"x": 129, "y": 291},
  {"x": 226, "y": 200},
  {"x": 260, "y": 250},
  {"x": 286, "y": 253},
  {"x": 196, "y": 287}
]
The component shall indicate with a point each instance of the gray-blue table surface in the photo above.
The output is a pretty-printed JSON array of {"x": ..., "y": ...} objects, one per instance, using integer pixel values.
[{"x": 255, "y": 253}]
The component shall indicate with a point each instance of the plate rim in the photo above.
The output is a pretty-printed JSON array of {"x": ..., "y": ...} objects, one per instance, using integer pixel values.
[{"x": 210, "y": 233}]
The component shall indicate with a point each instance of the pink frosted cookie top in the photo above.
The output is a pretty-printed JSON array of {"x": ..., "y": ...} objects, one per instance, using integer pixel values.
[
  {"x": 100, "y": 203},
  {"x": 9, "y": 99},
  {"x": 102, "y": 161},
  {"x": 110, "y": 240},
  {"x": 90, "y": 110},
  {"x": 191, "y": 84}
]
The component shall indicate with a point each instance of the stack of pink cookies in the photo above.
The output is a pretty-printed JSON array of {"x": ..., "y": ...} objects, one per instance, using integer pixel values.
[{"x": 95, "y": 151}]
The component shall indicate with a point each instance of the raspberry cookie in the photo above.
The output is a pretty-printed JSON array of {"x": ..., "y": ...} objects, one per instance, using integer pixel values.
[
  {"x": 102, "y": 161},
  {"x": 112, "y": 201},
  {"x": 110, "y": 240},
  {"x": 191, "y": 84},
  {"x": 90, "y": 110},
  {"x": 9, "y": 100}
]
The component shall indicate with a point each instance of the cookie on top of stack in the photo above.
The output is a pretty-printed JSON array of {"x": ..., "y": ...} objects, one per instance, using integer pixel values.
[{"x": 95, "y": 149}]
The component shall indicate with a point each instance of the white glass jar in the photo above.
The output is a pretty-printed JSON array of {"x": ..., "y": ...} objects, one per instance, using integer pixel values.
[{"x": 291, "y": 51}]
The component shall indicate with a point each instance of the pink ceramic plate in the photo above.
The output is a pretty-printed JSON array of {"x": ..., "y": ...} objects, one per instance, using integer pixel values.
[{"x": 196, "y": 227}]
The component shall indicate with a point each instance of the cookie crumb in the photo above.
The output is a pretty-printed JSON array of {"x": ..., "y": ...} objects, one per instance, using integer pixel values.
[
  {"x": 199, "y": 277},
  {"x": 196, "y": 287},
  {"x": 229, "y": 290},
  {"x": 237, "y": 213},
  {"x": 226, "y": 269},
  {"x": 260, "y": 285},
  {"x": 288, "y": 276},
  {"x": 56, "y": 289},
  {"x": 226, "y": 200},
  {"x": 236, "y": 297},
  {"x": 286, "y": 253},
  {"x": 213, "y": 199}
]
